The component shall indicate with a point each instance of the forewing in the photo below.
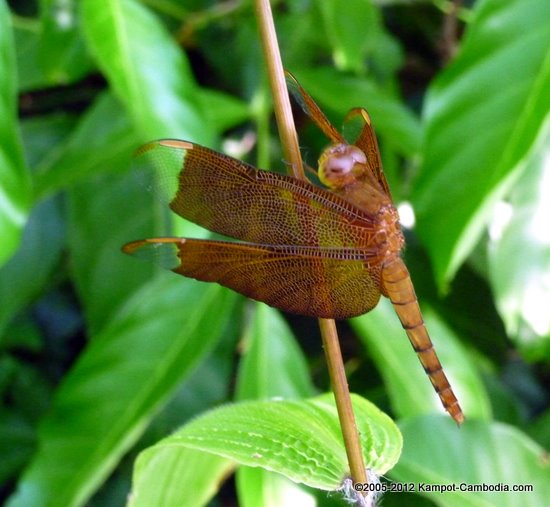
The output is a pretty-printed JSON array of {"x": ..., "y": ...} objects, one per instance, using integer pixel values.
[
  {"x": 312, "y": 109},
  {"x": 359, "y": 131},
  {"x": 232, "y": 198},
  {"x": 310, "y": 281}
]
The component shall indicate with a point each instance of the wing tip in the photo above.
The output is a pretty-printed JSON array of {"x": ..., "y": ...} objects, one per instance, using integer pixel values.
[
  {"x": 167, "y": 143},
  {"x": 164, "y": 251},
  {"x": 131, "y": 247}
]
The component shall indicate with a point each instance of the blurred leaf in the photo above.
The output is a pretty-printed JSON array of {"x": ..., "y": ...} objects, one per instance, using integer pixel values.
[
  {"x": 540, "y": 429},
  {"x": 435, "y": 451},
  {"x": 43, "y": 137},
  {"x": 477, "y": 129},
  {"x": 16, "y": 443},
  {"x": 100, "y": 222},
  {"x": 261, "y": 487},
  {"x": 127, "y": 372},
  {"x": 208, "y": 385},
  {"x": 301, "y": 440},
  {"x": 14, "y": 180},
  {"x": 102, "y": 141},
  {"x": 273, "y": 364},
  {"x": 146, "y": 70},
  {"x": 62, "y": 53},
  {"x": 519, "y": 258},
  {"x": 27, "y": 45},
  {"x": 352, "y": 27},
  {"x": 26, "y": 274},
  {"x": 222, "y": 110},
  {"x": 182, "y": 477},
  {"x": 410, "y": 390}
]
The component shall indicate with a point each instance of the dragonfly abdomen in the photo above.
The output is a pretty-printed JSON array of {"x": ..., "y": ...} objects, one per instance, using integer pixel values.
[{"x": 398, "y": 286}]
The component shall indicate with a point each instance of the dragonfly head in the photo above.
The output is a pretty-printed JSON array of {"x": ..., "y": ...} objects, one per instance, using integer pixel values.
[{"x": 340, "y": 165}]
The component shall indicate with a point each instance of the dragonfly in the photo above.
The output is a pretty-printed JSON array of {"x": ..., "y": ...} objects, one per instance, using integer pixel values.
[{"x": 324, "y": 252}]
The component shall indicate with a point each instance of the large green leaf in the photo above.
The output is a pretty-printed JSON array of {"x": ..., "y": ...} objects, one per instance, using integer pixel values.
[
  {"x": 519, "y": 257},
  {"x": 145, "y": 68},
  {"x": 26, "y": 274},
  {"x": 102, "y": 141},
  {"x": 14, "y": 179},
  {"x": 257, "y": 486},
  {"x": 61, "y": 50},
  {"x": 177, "y": 478},
  {"x": 410, "y": 391},
  {"x": 116, "y": 386},
  {"x": 100, "y": 222},
  {"x": 301, "y": 440},
  {"x": 27, "y": 47},
  {"x": 273, "y": 365},
  {"x": 222, "y": 111},
  {"x": 352, "y": 27},
  {"x": 479, "y": 454},
  {"x": 482, "y": 115}
]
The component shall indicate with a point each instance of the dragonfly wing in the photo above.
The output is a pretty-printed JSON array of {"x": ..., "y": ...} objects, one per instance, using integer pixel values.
[
  {"x": 233, "y": 198},
  {"x": 312, "y": 109},
  {"x": 359, "y": 131},
  {"x": 310, "y": 281}
]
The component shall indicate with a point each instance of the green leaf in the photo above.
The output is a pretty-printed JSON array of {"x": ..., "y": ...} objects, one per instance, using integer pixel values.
[
  {"x": 482, "y": 115},
  {"x": 145, "y": 68},
  {"x": 519, "y": 257},
  {"x": 27, "y": 47},
  {"x": 273, "y": 364},
  {"x": 410, "y": 390},
  {"x": 301, "y": 440},
  {"x": 540, "y": 429},
  {"x": 62, "y": 54},
  {"x": 127, "y": 372},
  {"x": 43, "y": 136},
  {"x": 14, "y": 179},
  {"x": 223, "y": 110},
  {"x": 186, "y": 478},
  {"x": 100, "y": 222},
  {"x": 26, "y": 274},
  {"x": 352, "y": 27},
  {"x": 102, "y": 141},
  {"x": 16, "y": 442},
  {"x": 479, "y": 453},
  {"x": 260, "y": 487}
]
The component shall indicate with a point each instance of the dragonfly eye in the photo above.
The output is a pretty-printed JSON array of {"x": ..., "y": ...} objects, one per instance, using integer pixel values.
[{"x": 337, "y": 162}]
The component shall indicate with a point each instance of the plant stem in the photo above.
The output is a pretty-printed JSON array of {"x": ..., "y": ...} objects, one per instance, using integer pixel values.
[
  {"x": 276, "y": 75},
  {"x": 340, "y": 388},
  {"x": 329, "y": 335}
]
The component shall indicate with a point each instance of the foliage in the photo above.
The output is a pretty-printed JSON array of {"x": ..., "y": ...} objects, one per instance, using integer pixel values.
[{"x": 103, "y": 356}]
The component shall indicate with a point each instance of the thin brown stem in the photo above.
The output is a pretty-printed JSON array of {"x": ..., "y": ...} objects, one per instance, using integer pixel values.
[
  {"x": 449, "y": 37},
  {"x": 342, "y": 397},
  {"x": 289, "y": 140},
  {"x": 276, "y": 75}
]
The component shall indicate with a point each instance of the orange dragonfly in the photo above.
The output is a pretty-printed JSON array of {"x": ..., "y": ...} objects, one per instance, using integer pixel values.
[{"x": 319, "y": 252}]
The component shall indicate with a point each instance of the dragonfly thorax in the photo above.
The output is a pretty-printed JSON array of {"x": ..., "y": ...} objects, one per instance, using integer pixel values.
[{"x": 389, "y": 236}]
